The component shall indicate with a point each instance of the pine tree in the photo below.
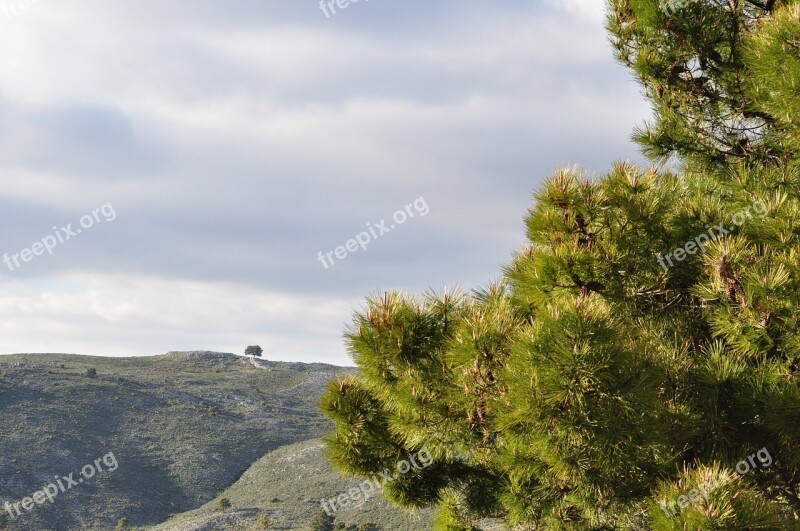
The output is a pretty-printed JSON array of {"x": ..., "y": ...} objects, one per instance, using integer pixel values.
[
  {"x": 636, "y": 366},
  {"x": 707, "y": 85}
]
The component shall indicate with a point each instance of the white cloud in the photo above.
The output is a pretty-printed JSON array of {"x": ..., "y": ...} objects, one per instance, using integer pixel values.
[{"x": 118, "y": 315}]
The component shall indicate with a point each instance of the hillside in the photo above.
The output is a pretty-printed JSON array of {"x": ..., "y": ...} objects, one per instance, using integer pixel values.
[
  {"x": 181, "y": 427},
  {"x": 286, "y": 486}
]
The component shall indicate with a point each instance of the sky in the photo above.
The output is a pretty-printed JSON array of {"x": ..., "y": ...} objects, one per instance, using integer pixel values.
[{"x": 206, "y": 175}]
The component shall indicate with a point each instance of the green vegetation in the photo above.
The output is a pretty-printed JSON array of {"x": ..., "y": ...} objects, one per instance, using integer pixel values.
[
  {"x": 599, "y": 385},
  {"x": 721, "y": 76},
  {"x": 263, "y": 521},
  {"x": 222, "y": 504},
  {"x": 323, "y": 522}
]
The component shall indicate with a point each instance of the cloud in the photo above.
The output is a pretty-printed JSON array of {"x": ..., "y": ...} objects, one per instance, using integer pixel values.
[
  {"x": 238, "y": 140},
  {"x": 122, "y": 315}
]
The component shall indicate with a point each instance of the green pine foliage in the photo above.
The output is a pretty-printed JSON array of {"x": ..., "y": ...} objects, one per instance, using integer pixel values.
[
  {"x": 723, "y": 499},
  {"x": 696, "y": 61},
  {"x": 773, "y": 60},
  {"x": 597, "y": 380}
]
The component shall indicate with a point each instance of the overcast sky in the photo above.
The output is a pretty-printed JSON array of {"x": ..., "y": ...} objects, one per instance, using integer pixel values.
[{"x": 212, "y": 149}]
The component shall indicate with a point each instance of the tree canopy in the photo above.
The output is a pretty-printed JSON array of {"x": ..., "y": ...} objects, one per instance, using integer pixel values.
[
  {"x": 253, "y": 350},
  {"x": 636, "y": 364},
  {"x": 720, "y": 74}
]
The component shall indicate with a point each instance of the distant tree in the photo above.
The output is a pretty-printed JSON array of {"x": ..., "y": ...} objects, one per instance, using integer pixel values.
[
  {"x": 253, "y": 350},
  {"x": 122, "y": 524},
  {"x": 223, "y": 504},
  {"x": 91, "y": 373},
  {"x": 322, "y": 522}
]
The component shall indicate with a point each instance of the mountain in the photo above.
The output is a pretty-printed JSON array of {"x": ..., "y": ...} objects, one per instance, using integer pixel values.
[
  {"x": 286, "y": 486},
  {"x": 167, "y": 433}
]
